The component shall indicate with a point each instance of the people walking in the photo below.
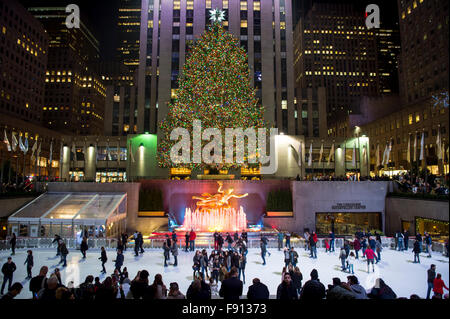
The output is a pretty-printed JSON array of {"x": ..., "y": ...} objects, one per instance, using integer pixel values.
[
  {"x": 13, "y": 242},
  {"x": 431, "y": 275},
  {"x": 416, "y": 251},
  {"x": 8, "y": 270},
  {"x": 103, "y": 258},
  {"x": 84, "y": 247}
]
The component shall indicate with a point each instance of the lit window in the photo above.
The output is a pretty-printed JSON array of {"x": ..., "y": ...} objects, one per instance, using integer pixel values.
[
  {"x": 116, "y": 98},
  {"x": 410, "y": 119},
  {"x": 243, "y": 23},
  {"x": 284, "y": 105}
]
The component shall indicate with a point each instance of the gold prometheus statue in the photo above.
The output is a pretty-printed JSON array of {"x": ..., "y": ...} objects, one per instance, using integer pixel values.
[{"x": 207, "y": 201}]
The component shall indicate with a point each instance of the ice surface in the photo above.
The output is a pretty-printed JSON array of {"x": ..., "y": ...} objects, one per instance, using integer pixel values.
[{"x": 396, "y": 268}]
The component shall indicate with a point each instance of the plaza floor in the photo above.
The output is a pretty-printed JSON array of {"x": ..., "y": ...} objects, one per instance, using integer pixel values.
[{"x": 396, "y": 268}]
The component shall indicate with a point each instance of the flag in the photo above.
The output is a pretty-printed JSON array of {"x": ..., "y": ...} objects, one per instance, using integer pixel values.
[
  {"x": 389, "y": 152},
  {"x": 310, "y": 155},
  {"x": 378, "y": 155},
  {"x": 73, "y": 151},
  {"x": 108, "y": 152},
  {"x": 21, "y": 146},
  {"x": 38, "y": 151},
  {"x": 6, "y": 141},
  {"x": 438, "y": 144},
  {"x": 25, "y": 146},
  {"x": 300, "y": 155},
  {"x": 118, "y": 152},
  {"x": 415, "y": 147},
  {"x": 422, "y": 146},
  {"x": 84, "y": 150},
  {"x": 354, "y": 156},
  {"x": 321, "y": 153},
  {"x": 331, "y": 154},
  {"x": 50, "y": 158},
  {"x": 61, "y": 151},
  {"x": 408, "y": 151},
  {"x": 96, "y": 153},
  {"x": 130, "y": 150},
  {"x": 364, "y": 154},
  {"x": 33, "y": 150},
  {"x": 384, "y": 155},
  {"x": 14, "y": 142}
]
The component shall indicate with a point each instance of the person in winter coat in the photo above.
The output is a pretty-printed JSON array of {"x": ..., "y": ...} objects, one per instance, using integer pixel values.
[
  {"x": 297, "y": 278},
  {"x": 431, "y": 275},
  {"x": 141, "y": 243},
  {"x": 287, "y": 257},
  {"x": 30, "y": 263},
  {"x": 400, "y": 238},
  {"x": 327, "y": 245},
  {"x": 438, "y": 286},
  {"x": 215, "y": 269},
  {"x": 378, "y": 249},
  {"x": 242, "y": 264},
  {"x": 406, "y": 239},
  {"x": 192, "y": 236},
  {"x": 286, "y": 290},
  {"x": 428, "y": 243},
  {"x": 186, "y": 238},
  {"x": 370, "y": 255},
  {"x": 198, "y": 290},
  {"x": 204, "y": 263},
  {"x": 124, "y": 238},
  {"x": 350, "y": 262},
  {"x": 381, "y": 291},
  {"x": 220, "y": 241},
  {"x": 343, "y": 257},
  {"x": 8, "y": 269},
  {"x": 174, "y": 250},
  {"x": 416, "y": 251},
  {"x": 13, "y": 291},
  {"x": 264, "y": 251},
  {"x": 293, "y": 257},
  {"x": 196, "y": 260},
  {"x": 166, "y": 253},
  {"x": 136, "y": 243},
  {"x": 231, "y": 288},
  {"x": 160, "y": 290},
  {"x": 356, "y": 246},
  {"x": 57, "y": 241},
  {"x": 346, "y": 248},
  {"x": 363, "y": 245},
  {"x": 313, "y": 247},
  {"x": 38, "y": 282},
  {"x": 257, "y": 291},
  {"x": 306, "y": 235},
  {"x": 339, "y": 291},
  {"x": 103, "y": 258},
  {"x": 64, "y": 252},
  {"x": 84, "y": 247},
  {"x": 280, "y": 237},
  {"x": 287, "y": 237},
  {"x": 119, "y": 260},
  {"x": 360, "y": 292},
  {"x": 332, "y": 237},
  {"x": 174, "y": 292},
  {"x": 419, "y": 239},
  {"x": 229, "y": 240},
  {"x": 13, "y": 242},
  {"x": 313, "y": 289}
]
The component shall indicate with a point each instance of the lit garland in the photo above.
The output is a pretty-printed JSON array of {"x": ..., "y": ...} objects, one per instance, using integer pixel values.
[{"x": 215, "y": 88}]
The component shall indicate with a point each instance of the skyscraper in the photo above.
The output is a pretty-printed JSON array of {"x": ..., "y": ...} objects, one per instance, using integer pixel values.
[
  {"x": 424, "y": 33},
  {"x": 74, "y": 93},
  {"x": 129, "y": 21},
  {"x": 334, "y": 49}
]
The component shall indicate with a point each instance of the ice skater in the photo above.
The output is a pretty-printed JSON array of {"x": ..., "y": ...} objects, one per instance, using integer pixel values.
[
  {"x": 343, "y": 257},
  {"x": 103, "y": 258},
  {"x": 13, "y": 242},
  {"x": 174, "y": 250},
  {"x": 118, "y": 263},
  {"x": 84, "y": 247},
  {"x": 416, "y": 251},
  {"x": 263, "y": 251},
  {"x": 30, "y": 263},
  {"x": 166, "y": 250},
  {"x": 8, "y": 269},
  {"x": 370, "y": 255},
  {"x": 280, "y": 237},
  {"x": 293, "y": 257},
  {"x": 332, "y": 237}
]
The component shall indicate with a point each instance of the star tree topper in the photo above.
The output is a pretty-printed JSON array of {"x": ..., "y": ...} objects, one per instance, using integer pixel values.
[{"x": 217, "y": 15}]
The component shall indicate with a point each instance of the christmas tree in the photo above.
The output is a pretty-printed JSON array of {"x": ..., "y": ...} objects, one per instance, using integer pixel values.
[{"x": 214, "y": 88}]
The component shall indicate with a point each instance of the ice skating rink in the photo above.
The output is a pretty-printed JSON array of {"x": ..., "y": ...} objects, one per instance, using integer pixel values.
[{"x": 396, "y": 268}]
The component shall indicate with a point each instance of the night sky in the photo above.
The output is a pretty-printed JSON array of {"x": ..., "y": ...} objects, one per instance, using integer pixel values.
[{"x": 101, "y": 16}]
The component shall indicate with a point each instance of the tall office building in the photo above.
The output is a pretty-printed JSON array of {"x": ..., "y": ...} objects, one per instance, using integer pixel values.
[
  {"x": 129, "y": 21},
  {"x": 264, "y": 28},
  {"x": 334, "y": 49},
  {"x": 74, "y": 92},
  {"x": 424, "y": 33},
  {"x": 388, "y": 50}
]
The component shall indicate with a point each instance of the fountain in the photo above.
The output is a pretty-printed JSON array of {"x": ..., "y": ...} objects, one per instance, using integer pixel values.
[{"x": 214, "y": 213}]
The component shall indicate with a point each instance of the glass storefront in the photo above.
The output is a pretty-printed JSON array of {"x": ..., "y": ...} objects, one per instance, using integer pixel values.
[
  {"x": 76, "y": 176},
  {"x": 347, "y": 223},
  {"x": 110, "y": 176},
  {"x": 435, "y": 227}
]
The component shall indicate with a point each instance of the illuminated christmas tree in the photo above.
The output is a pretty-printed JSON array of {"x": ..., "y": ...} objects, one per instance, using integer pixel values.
[{"x": 214, "y": 88}]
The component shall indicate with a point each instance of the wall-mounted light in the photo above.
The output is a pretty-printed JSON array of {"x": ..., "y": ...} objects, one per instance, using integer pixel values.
[{"x": 141, "y": 146}]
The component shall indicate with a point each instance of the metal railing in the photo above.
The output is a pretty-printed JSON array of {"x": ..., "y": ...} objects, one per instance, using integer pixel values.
[{"x": 157, "y": 243}]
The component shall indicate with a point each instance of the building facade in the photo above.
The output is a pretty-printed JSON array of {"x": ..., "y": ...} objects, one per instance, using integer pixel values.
[
  {"x": 264, "y": 29},
  {"x": 335, "y": 50},
  {"x": 74, "y": 93},
  {"x": 129, "y": 22},
  {"x": 424, "y": 32},
  {"x": 311, "y": 112},
  {"x": 388, "y": 50},
  {"x": 23, "y": 61}
]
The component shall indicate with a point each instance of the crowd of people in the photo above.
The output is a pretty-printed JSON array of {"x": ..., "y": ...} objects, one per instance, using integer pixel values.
[
  {"x": 419, "y": 185},
  {"x": 225, "y": 265}
]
